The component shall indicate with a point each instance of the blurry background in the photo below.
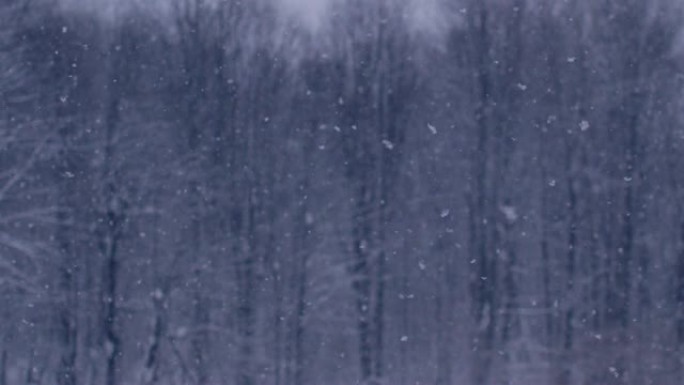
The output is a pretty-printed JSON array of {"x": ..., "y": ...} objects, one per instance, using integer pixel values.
[{"x": 397, "y": 192}]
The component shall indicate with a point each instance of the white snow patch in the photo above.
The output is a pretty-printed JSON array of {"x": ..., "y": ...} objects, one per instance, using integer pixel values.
[
  {"x": 614, "y": 371},
  {"x": 509, "y": 212}
]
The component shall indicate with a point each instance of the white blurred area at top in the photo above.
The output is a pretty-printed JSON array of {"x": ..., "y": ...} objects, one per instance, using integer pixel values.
[{"x": 426, "y": 16}]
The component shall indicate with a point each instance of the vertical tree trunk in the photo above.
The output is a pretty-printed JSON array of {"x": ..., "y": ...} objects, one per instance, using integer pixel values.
[
  {"x": 200, "y": 311},
  {"x": 673, "y": 169},
  {"x": 679, "y": 293},
  {"x": 109, "y": 244},
  {"x": 66, "y": 374},
  {"x": 544, "y": 218},
  {"x": 151, "y": 373},
  {"x": 279, "y": 356},
  {"x": 302, "y": 251},
  {"x": 508, "y": 125},
  {"x": 362, "y": 280},
  {"x": 384, "y": 180},
  {"x": 245, "y": 314},
  {"x": 192, "y": 22},
  {"x": 445, "y": 305},
  {"x": 111, "y": 315},
  {"x": 301, "y": 295},
  {"x": 571, "y": 262},
  {"x": 3, "y": 367},
  {"x": 112, "y": 214},
  {"x": 246, "y": 254},
  {"x": 483, "y": 275},
  {"x": 69, "y": 264},
  {"x": 404, "y": 298},
  {"x": 624, "y": 264}
]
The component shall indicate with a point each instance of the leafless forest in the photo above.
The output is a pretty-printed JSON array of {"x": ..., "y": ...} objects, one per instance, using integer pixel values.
[{"x": 342, "y": 192}]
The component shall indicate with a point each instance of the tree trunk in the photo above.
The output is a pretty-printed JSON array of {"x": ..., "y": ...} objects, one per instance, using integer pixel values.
[
  {"x": 483, "y": 274},
  {"x": 68, "y": 304},
  {"x": 3, "y": 367},
  {"x": 362, "y": 281}
]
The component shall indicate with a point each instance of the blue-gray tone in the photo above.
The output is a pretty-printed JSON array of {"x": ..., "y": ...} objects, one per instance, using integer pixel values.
[{"x": 341, "y": 192}]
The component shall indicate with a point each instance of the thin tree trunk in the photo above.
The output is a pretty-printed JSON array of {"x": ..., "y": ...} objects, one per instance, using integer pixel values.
[
  {"x": 3, "y": 367},
  {"x": 245, "y": 265},
  {"x": 362, "y": 281},
  {"x": 571, "y": 262},
  {"x": 483, "y": 275},
  {"x": 303, "y": 250},
  {"x": 679, "y": 294},
  {"x": 112, "y": 218},
  {"x": 404, "y": 297},
  {"x": 544, "y": 246},
  {"x": 68, "y": 268}
]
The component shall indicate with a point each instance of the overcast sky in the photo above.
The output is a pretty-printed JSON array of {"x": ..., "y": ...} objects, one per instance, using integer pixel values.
[{"x": 423, "y": 14}]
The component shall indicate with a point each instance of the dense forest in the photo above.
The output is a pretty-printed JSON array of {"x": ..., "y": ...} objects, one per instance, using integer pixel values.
[{"x": 372, "y": 192}]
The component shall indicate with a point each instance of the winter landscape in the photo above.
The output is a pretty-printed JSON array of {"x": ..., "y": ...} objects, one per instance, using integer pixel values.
[{"x": 341, "y": 192}]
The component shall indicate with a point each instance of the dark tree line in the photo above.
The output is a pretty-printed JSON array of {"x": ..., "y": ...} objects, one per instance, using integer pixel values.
[{"x": 214, "y": 192}]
